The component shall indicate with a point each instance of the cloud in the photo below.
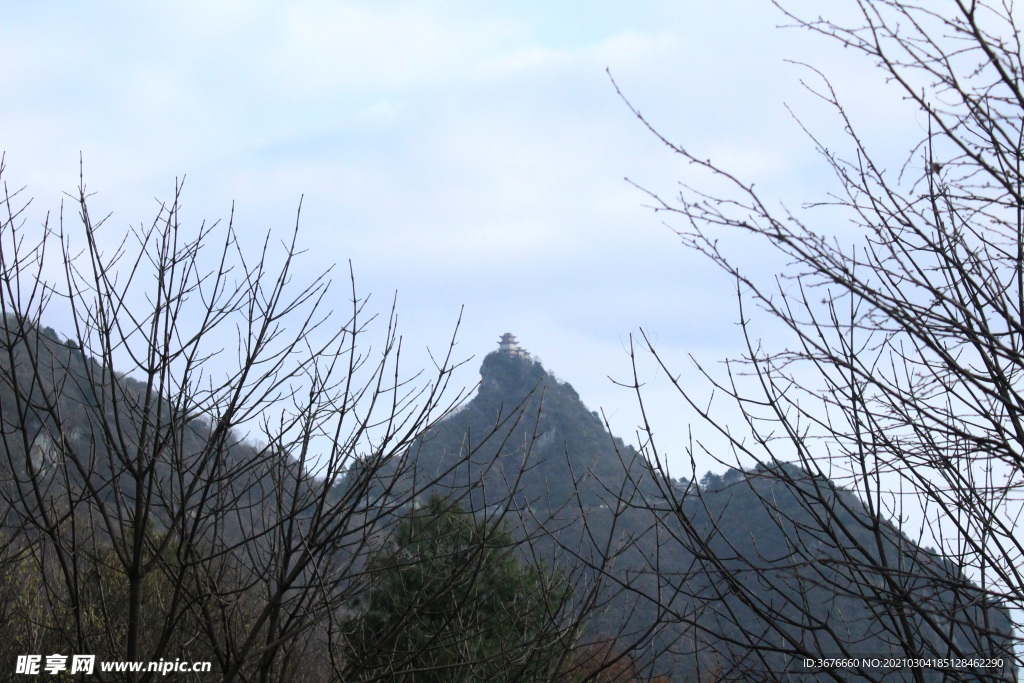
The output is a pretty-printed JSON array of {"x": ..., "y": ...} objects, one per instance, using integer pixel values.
[{"x": 457, "y": 152}]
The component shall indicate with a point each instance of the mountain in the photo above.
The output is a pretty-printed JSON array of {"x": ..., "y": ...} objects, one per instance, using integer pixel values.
[
  {"x": 528, "y": 436},
  {"x": 708, "y": 564},
  {"x": 716, "y": 561},
  {"x": 796, "y": 551}
]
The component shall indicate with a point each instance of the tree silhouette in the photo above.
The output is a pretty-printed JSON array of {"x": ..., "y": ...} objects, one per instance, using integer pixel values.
[{"x": 897, "y": 394}]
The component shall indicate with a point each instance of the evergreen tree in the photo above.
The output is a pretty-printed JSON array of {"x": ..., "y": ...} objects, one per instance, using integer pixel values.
[{"x": 454, "y": 602}]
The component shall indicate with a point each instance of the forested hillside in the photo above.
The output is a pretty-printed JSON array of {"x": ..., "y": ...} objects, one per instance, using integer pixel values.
[
  {"x": 550, "y": 448},
  {"x": 599, "y": 499},
  {"x": 551, "y": 502}
]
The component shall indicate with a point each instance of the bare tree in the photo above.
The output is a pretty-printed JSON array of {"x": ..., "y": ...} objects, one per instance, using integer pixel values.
[
  {"x": 203, "y": 468},
  {"x": 897, "y": 400}
]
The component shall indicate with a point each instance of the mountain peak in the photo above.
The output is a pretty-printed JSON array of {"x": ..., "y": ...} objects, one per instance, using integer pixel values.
[
  {"x": 524, "y": 418},
  {"x": 512, "y": 376}
]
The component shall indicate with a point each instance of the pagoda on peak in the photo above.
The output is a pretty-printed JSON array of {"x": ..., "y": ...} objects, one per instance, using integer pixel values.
[{"x": 508, "y": 346}]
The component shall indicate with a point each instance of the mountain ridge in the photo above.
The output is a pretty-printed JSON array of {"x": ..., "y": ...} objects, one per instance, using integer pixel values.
[{"x": 772, "y": 523}]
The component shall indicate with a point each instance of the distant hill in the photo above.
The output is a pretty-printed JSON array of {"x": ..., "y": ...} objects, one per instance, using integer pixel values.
[
  {"x": 548, "y": 446},
  {"x": 80, "y": 423},
  {"x": 806, "y": 554},
  {"x": 534, "y": 448},
  {"x": 551, "y": 452}
]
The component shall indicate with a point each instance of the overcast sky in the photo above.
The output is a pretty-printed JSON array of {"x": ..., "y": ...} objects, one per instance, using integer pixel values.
[{"x": 459, "y": 153}]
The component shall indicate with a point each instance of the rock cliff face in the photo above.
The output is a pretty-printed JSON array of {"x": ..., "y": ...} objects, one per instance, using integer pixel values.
[{"x": 529, "y": 437}]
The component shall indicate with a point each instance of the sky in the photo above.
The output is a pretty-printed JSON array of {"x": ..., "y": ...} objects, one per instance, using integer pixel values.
[{"x": 467, "y": 157}]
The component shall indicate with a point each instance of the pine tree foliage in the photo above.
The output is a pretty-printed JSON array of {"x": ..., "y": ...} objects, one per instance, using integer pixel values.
[{"x": 453, "y": 601}]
